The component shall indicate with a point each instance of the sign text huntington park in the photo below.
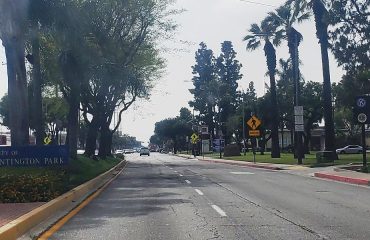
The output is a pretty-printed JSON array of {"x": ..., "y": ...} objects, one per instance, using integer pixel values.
[{"x": 34, "y": 156}]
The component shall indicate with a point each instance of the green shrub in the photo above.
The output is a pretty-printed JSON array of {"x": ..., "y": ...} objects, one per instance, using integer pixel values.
[{"x": 30, "y": 188}]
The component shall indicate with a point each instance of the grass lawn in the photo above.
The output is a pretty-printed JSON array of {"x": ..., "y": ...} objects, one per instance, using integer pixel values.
[
  {"x": 287, "y": 158},
  {"x": 44, "y": 184}
]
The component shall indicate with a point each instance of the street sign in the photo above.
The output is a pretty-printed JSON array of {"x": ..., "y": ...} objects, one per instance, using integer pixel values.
[
  {"x": 361, "y": 110},
  {"x": 194, "y": 138},
  {"x": 362, "y": 118},
  {"x": 204, "y": 129},
  {"x": 299, "y": 128},
  {"x": 254, "y": 122},
  {"x": 298, "y": 110},
  {"x": 254, "y": 133},
  {"x": 298, "y": 120}
]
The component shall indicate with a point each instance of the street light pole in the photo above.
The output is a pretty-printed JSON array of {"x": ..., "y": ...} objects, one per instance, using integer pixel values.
[
  {"x": 298, "y": 134},
  {"x": 244, "y": 125}
]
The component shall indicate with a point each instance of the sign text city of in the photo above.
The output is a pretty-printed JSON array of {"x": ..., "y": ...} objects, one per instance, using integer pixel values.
[{"x": 34, "y": 156}]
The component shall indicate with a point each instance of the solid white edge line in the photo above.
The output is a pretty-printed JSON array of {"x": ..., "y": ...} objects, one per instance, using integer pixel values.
[
  {"x": 199, "y": 192},
  {"x": 187, "y": 181},
  {"x": 219, "y": 210}
]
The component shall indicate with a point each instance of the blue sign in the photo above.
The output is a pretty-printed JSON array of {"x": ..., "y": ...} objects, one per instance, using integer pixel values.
[
  {"x": 361, "y": 102},
  {"x": 34, "y": 156},
  {"x": 218, "y": 144}
]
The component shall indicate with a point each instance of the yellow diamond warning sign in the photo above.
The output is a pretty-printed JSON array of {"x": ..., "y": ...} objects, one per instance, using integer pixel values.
[
  {"x": 254, "y": 122},
  {"x": 194, "y": 138}
]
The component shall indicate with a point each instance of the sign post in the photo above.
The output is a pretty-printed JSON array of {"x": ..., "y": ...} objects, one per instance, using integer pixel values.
[
  {"x": 299, "y": 129},
  {"x": 361, "y": 112},
  {"x": 254, "y": 123}
]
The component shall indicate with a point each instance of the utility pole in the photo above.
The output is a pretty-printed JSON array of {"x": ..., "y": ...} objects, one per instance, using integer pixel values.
[
  {"x": 244, "y": 125},
  {"x": 298, "y": 133}
]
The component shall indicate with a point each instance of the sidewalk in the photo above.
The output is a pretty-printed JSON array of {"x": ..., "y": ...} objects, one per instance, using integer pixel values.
[
  {"x": 11, "y": 211},
  {"x": 331, "y": 172}
]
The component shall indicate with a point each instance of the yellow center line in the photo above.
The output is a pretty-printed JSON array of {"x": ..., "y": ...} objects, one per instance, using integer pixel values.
[{"x": 47, "y": 234}]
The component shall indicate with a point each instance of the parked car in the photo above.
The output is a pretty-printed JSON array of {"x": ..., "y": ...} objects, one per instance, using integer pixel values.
[
  {"x": 144, "y": 151},
  {"x": 349, "y": 149}
]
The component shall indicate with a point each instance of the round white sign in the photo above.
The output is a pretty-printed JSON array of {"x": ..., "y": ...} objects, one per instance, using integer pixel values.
[{"x": 362, "y": 118}]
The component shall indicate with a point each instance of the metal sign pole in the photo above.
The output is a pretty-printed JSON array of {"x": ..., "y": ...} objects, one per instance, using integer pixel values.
[{"x": 364, "y": 160}]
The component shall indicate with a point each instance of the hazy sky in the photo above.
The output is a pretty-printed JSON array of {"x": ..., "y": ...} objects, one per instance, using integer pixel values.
[{"x": 210, "y": 21}]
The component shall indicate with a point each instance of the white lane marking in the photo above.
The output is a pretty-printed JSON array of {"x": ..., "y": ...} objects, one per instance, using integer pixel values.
[
  {"x": 219, "y": 210},
  {"x": 199, "y": 192},
  {"x": 242, "y": 173},
  {"x": 181, "y": 175},
  {"x": 175, "y": 171},
  {"x": 187, "y": 181}
]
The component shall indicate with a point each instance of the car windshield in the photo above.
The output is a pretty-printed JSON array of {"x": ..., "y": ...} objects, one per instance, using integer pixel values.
[{"x": 184, "y": 119}]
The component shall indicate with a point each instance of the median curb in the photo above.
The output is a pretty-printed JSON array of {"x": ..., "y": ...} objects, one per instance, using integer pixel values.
[
  {"x": 358, "y": 181},
  {"x": 23, "y": 224},
  {"x": 245, "y": 164}
]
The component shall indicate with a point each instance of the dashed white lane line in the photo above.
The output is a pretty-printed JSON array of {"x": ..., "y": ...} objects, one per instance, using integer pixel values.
[
  {"x": 199, "y": 192},
  {"x": 181, "y": 175},
  {"x": 219, "y": 210},
  {"x": 242, "y": 173},
  {"x": 175, "y": 171},
  {"x": 187, "y": 181}
]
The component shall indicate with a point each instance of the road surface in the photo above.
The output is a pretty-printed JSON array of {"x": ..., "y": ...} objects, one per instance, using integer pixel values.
[{"x": 167, "y": 197}]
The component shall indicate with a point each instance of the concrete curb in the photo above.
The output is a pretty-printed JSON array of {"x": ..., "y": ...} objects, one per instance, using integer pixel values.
[
  {"x": 21, "y": 225},
  {"x": 338, "y": 178},
  {"x": 245, "y": 164}
]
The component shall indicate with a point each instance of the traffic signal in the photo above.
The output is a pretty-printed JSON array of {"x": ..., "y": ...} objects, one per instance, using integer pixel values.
[{"x": 361, "y": 110}]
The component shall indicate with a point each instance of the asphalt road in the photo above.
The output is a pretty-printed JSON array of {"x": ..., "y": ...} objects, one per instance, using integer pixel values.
[{"x": 167, "y": 197}]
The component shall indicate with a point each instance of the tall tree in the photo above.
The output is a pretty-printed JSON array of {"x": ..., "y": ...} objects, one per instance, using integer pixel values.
[
  {"x": 322, "y": 22},
  {"x": 257, "y": 34},
  {"x": 283, "y": 20},
  {"x": 228, "y": 71},
  {"x": 204, "y": 80},
  {"x": 13, "y": 26}
]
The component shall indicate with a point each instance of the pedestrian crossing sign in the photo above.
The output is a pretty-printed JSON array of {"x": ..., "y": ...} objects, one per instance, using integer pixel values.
[
  {"x": 254, "y": 122},
  {"x": 194, "y": 138}
]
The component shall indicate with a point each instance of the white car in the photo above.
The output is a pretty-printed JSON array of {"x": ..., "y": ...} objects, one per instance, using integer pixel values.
[
  {"x": 119, "y": 151},
  {"x": 349, "y": 149},
  {"x": 144, "y": 151}
]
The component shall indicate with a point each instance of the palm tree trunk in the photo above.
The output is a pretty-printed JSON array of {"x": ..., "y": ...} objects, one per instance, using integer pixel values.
[
  {"x": 321, "y": 14},
  {"x": 271, "y": 64}
]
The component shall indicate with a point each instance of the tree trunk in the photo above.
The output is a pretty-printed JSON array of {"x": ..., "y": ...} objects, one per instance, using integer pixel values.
[
  {"x": 37, "y": 88},
  {"x": 105, "y": 146},
  {"x": 271, "y": 63},
  {"x": 92, "y": 136},
  {"x": 321, "y": 16},
  {"x": 17, "y": 92},
  {"x": 72, "y": 76}
]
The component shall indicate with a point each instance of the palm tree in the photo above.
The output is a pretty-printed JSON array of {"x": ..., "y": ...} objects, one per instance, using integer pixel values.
[
  {"x": 283, "y": 19},
  {"x": 321, "y": 20},
  {"x": 258, "y": 35},
  {"x": 13, "y": 25}
]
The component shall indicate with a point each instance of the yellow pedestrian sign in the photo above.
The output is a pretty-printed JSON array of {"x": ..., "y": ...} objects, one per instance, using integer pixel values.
[
  {"x": 254, "y": 122},
  {"x": 194, "y": 138}
]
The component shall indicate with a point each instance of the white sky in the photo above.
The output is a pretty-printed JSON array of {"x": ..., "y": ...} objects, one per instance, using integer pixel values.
[{"x": 211, "y": 21}]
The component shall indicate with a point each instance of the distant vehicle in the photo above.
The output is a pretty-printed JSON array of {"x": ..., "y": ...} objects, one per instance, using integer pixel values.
[
  {"x": 129, "y": 151},
  {"x": 349, "y": 149},
  {"x": 80, "y": 151},
  {"x": 119, "y": 152},
  {"x": 144, "y": 151}
]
